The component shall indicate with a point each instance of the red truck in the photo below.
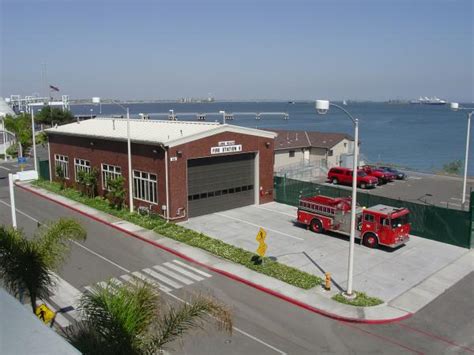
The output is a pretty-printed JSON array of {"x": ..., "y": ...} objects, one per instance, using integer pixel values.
[
  {"x": 383, "y": 176},
  {"x": 344, "y": 176},
  {"x": 376, "y": 225}
]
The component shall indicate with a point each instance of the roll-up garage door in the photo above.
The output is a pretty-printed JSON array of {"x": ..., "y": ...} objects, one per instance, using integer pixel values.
[{"x": 220, "y": 183}]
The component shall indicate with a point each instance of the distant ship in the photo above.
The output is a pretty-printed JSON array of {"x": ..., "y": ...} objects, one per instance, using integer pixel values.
[
  {"x": 429, "y": 101},
  {"x": 344, "y": 102}
]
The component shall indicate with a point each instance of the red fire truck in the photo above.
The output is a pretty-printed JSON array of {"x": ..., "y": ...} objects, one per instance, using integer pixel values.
[{"x": 377, "y": 225}]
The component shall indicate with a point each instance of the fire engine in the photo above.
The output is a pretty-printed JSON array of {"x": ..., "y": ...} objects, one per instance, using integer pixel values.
[{"x": 376, "y": 225}]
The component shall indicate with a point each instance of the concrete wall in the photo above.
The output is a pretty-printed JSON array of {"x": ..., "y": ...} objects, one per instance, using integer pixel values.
[
  {"x": 151, "y": 158},
  {"x": 343, "y": 147},
  {"x": 282, "y": 157}
]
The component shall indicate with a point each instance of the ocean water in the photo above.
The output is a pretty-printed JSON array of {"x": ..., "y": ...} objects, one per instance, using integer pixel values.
[{"x": 420, "y": 137}]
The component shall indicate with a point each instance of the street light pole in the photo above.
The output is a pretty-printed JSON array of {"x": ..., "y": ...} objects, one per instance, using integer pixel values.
[
  {"x": 34, "y": 138},
  {"x": 455, "y": 107},
  {"x": 129, "y": 153},
  {"x": 97, "y": 100},
  {"x": 322, "y": 107},
  {"x": 463, "y": 198}
]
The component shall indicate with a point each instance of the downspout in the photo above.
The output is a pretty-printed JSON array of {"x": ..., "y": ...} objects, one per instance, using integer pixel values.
[{"x": 50, "y": 163}]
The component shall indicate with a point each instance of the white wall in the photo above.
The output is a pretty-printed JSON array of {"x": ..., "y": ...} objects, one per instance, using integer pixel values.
[
  {"x": 282, "y": 157},
  {"x": 343, "y": 147}
]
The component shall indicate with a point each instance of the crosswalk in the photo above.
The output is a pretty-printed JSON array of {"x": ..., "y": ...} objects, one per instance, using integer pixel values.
[{"x": 166, "y": 277}]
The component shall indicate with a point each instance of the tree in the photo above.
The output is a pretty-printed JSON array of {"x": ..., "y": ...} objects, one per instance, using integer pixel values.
[
  {"x": 53, "y": 115},
  {"x": 116, "y": 194},
  {"x": 26, "y": 265},
  {"x": 453, "y": 167},
  {"x": 130, "y": 319},
  {"x": 20, "y": 126}
]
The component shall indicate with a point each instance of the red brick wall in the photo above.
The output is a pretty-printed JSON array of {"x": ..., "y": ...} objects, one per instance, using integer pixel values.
[
  {"x": 143, "y": 158},
  {"x": 113, "y": 153}
]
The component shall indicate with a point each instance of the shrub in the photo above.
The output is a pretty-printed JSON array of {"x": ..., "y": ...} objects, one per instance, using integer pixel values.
[{"x": 116, "y": 194}]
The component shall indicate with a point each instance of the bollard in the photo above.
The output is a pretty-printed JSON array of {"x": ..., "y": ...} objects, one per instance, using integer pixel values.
[{"x": 327, "y": 282}]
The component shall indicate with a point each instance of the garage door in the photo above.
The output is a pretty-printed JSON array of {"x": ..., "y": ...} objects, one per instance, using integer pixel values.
[{"x": 220, "y": 183}]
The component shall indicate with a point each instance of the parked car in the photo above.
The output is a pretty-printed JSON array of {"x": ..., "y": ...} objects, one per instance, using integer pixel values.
[
  {"x": 380, "y": 174},
  {"x": 343, "y": 176},
  {"x": 399, "y": 174}
]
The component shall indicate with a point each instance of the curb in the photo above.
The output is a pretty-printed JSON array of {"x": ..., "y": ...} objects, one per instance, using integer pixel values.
[{"x": 219, "y": 271}]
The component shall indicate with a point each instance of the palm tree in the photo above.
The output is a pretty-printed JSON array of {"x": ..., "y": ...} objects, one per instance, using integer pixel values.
[
  {"x": 130, "y": 319},
  {"x": 26, "y": 265}
]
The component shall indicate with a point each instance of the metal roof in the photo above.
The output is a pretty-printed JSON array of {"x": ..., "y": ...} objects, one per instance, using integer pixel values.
[
  {"x": 306, "y": 139},
  {"x": 167, "y": 133}
]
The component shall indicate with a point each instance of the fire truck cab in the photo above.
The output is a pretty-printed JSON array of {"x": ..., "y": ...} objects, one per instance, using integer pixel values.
[{"x": 376, "y": 225}]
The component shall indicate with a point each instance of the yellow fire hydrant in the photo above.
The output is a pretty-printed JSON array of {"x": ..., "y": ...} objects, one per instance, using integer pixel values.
[{"x": 327, "y": 282}]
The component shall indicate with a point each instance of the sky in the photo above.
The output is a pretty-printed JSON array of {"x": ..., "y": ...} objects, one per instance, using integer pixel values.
[{"x": 239, "y": 50}]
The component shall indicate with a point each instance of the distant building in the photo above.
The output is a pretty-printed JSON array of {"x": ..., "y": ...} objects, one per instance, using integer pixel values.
[{"x": 321, "y": 149}]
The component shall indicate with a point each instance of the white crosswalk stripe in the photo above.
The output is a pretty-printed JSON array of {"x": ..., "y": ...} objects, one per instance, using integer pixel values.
[
  {"x": 192, "y": 268},
  {"x": 183, "y": 271},
  {"x": 66, "y": 296},
  {"x": 151, "y": 281},
  {"x": 173, "y": 274},
  {"x": 162, "y": 278}
]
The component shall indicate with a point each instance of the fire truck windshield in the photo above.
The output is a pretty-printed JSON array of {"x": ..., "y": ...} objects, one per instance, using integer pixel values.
[{"x": 399, "y": 221}]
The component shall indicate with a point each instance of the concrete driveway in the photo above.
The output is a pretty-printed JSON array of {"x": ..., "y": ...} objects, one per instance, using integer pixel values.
[{"x": 383, "y": 273}]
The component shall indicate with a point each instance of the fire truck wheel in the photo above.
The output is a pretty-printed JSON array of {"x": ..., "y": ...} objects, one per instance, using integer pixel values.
[
  {"x": 316, "y": 226},
  {"x": 370, "y": 240},
  {"x": 335, "y": 181}
]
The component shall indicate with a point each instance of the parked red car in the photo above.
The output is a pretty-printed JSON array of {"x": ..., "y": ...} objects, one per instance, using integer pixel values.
[
  {"x": 344, "y": 176},
  {"x": 383, "y": 176}
]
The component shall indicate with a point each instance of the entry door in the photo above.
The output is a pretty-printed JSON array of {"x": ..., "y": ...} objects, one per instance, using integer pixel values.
[{"x": 220, "y": 183}]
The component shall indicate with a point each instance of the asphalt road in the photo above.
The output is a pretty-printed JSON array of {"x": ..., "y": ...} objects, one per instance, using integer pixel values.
[{"x": 263, "y": 324}]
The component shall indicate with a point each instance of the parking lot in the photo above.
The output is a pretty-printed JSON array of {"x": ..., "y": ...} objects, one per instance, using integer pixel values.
[
  {"x": 430, "y": 189},
  {"x": 383, "y": 273}
]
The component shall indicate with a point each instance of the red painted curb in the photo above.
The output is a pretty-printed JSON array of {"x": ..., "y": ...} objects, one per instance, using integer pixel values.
[{"x": 222, "y": 272}]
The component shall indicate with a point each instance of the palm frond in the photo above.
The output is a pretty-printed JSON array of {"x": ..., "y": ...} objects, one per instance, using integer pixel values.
[
  {"x": 194, "y": 314},
  {"x": 54, "y": 240},
  {"x": 22, "y": 266},
  {"x": 121, "y": 314}
]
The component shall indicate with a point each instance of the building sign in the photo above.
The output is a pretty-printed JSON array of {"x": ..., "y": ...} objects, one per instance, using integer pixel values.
[
  {"x": 225, "y": 143},
  {"x": 226, "y": 149}
]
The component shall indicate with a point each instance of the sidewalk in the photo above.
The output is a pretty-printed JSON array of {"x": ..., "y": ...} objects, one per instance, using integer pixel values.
[{"x": 316, "y": 300}]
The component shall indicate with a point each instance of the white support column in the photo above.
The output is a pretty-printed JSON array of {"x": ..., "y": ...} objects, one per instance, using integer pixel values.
[
  {"x": 167, "y": 187},
  {"x": 12, "y": 200}
]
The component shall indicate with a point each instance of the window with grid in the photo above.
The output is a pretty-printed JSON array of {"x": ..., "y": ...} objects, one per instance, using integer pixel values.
[
  {"x": 81, "y": 165},
  {"x": 144, "y": 186},
  {"x": 63, "y": 162},
  {"x": 110, "y": 172}
]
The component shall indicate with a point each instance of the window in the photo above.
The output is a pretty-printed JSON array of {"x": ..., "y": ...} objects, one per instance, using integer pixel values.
[
  {"x": 109, "y": 172},
  {"x": 62, "y": 161},
  {"x": 291, "y": 153},
  {"x": 144, "y": 186},
  {"x": 369, "y": 218},
  {"x": 81, "y": 165},
  {"x": 330, "y": 153}
]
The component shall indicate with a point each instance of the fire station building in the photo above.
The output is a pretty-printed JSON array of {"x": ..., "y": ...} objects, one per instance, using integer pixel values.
[{"x": 179, "y": 169}]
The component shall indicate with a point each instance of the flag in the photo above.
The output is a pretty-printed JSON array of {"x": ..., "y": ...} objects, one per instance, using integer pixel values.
[{"x": 53, "y": 88}]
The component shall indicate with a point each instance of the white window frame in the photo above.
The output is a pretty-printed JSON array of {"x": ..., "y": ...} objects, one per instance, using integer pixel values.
[
  {"x": 145, "y": 188},
  {"x": 81, "y": 165},
  {"x": 109, "y": 172},
  {"x": 63, "y": 162}
]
